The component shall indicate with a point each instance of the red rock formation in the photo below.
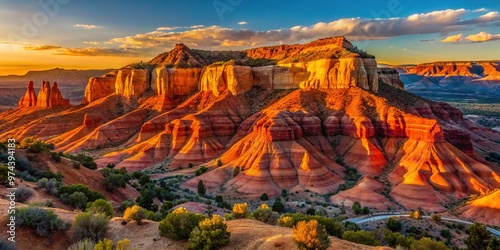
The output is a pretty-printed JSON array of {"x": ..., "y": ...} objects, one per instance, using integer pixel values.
[
  {"x": 29, "y": 99},
  {"x": 237, "y": 79},
  {"x": 98, "y": 87},
  {"x": 136, "y": 83},
  {"x": 56, "y": 98},
  {"x": 43, "y": 98},
  {"x": 175, "y": 81},
  {"x": 390, "y": 76}
]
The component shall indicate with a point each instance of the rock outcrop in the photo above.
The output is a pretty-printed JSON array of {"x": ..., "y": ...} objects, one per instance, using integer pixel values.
[
  {"x": 29, "y": 98},
  {"x": 390, "y": 76},
  {"x": 47, "y": 97},
  {"x": 43, "y": 98},
  {"x": 98, "y": 87},
  {"x": 56, "y": 98}
]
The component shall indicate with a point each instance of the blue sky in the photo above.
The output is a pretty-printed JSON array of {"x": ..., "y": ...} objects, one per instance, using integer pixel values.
[{"x": 101, "y": 34}]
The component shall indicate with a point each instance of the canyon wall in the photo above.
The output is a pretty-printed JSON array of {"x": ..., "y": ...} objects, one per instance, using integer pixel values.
[{"x": 47, "y": 97}]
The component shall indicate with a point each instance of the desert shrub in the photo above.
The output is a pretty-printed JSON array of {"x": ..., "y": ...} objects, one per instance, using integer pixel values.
[
  {"x": 311, "y": 211},
  {"x": 167, "y": 205},
  {"x": 44, "y": 222},
  {"x": 104, "y": 244},
  {"x": 310, "y": 235},
  {"x": 394, "y": 224},
  {"x": 266, "y": 215},
  {"x": 78, "y": 200},
  {"x": 356, "y": 207},
  {"x": 85, "y": 244},
  {"x": 65, "y": 191},
  {"x": 23, "y": 193},
  {"x": 201, "y": 188},
  {"x": 478, "y": 237},
  {"x": 445, "y": 234},
  {"x": 286, "y": 221},
  {"x": 86, "y": 161},
  {"x": 361, "y": 237},
  {"x": 179, "y": 224},
  {"x": 114, "y": 181},
  {"x": 126, "y": 204},
  {"x": 100, "y": 206},
  {"x": 366, "y": 210},
  {"x": 428, "y": 244},
  {"x": 494, "y": 244},
  {"x": 278, "y": 205},
  {"x": 218, "y": 198},
  {"x": 89, "y": 225},
  {"x": 55, "y": 156},
  {"x": 201, "y": 170},
  {"x": 264, "y": 197},
  {"x": 240, "y": 210},
  {"x": 219, "y": 162},
  {"x": 210, "y": 234},
  {"x": 123, "y": 245},
  {"x": 396, "y": 239},
  {"x": 332, "y": 227},
  {"x": 136, "y": 213},
  {"x": 351, "y": 226},
  {"x": 35, "y": 146},
  {"x": 436, "y": 218}
]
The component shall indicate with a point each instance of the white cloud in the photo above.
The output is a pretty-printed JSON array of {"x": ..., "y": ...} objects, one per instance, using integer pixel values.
[
  {"x": 91, "y": 42},
  {"x": 242, "y": 23},
  {"x": 480, "y": 10},
  {"x": 167, "y": 28},
  {"x": 482, "y": 37},
  {"x": 87, "y": 26}
]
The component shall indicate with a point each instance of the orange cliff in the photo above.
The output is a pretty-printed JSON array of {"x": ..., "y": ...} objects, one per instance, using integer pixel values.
[
  {"x": 47, "y": 97},
  {"x": 332, "y": 63}
]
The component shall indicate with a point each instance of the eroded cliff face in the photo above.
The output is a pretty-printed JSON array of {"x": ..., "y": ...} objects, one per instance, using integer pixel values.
[
  {"x": 175, "y": 81},
  {"x": 236, "y": 79},
  {"x": 47, "y": 97},
  {"x": 136, "y": 83},
  {"x": 97, "y": 88},
  {"x": 391, "y": 77},
  {"x": 56, "y": 98}
]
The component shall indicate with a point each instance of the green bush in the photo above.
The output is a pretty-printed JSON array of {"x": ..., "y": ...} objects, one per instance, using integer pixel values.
[
  {"x": 266, "y": 215},
  {"x": 4, "y": 175},
  {"x": 86, "y": 161},
  {"x": 394, "y": 224},
  {"x": 78, "y": 200},
  {"x": 56, "y": 157},
  {"x": 65, "y": 191},
  {"x": 113, "y": 182},
  {"x": 478, "y": 237},
  {"x": 126, "y": 204},
  {"x": 356, "y": 207},
  {"x": 278, "y": 205},
  {"x": 396, "y": 239},
  {"x": 101, "y": 206},
  {"x": 351, "y": 226},
  {"x": 428, "y": 244},
  {"x": 310, "y": 235},
  {"x": 36, "y": 146},
  {"x": 286, "y": 221},
  {"x": 179, "y": 224},
  {"x": 361, "y": 237},
  {"x": 89, "y": 225},
  {"x": 264, "y": 197},
  {"x": 44, "y": 222},
  {"x": 202, "y": 190},
  {"x": 210, "y": 234},
  {"x": 201, "y": 170}
]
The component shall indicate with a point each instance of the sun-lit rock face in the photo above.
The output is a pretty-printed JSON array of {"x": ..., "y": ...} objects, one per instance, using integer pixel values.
[
  {"x": 136, "y": 83},
  {"x": 236, "y": 79},
  {"x": 98, "y": 87},
  {"x": 56, "y": 98},
  {"x": 43, "y": 98},
  {"x": 121, "y": 79},
  {"x": 29, "y": 98},
  {"x": 175, "y": 81}
]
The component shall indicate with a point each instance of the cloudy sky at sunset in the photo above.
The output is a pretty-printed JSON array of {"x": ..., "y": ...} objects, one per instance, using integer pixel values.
[{"x": 43, "y": 34}]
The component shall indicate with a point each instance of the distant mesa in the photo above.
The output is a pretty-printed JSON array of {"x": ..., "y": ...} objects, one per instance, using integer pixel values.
[{"x": 47, "y": 97}]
